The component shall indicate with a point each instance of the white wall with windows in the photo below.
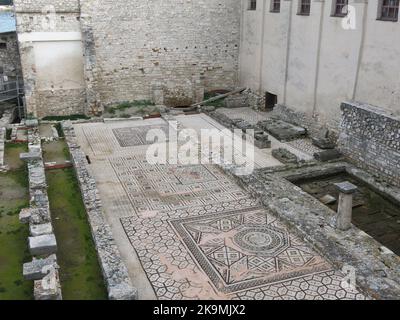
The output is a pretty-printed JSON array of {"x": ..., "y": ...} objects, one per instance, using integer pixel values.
[{"x": 314, "y": 61}]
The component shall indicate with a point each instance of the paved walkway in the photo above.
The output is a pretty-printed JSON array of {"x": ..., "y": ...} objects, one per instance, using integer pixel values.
[{"x": 190, "y": 232}]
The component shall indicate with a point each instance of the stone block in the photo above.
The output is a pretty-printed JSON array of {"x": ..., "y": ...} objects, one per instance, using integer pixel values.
[
  {"x": 25, "y": 215},
  {"x": 49, "y": 287},
  {"x": 37, "y": 230},
  {"x": 284, "y": 156},
  {"x": 281, "y": 130},
  {"x": 31, "y": 156},
  {"x": 328, "y": 155},
  {"x": 346, "y": 187},
  {"x": 37, "y": 270},
  {"x": 30, "y": 123},
  {"x": 43, "y": 245}
]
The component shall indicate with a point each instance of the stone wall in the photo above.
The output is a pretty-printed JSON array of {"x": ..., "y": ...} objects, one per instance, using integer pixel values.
[
  {"x": 186, "y": 47},
  {"x": 47, "y": 30},
  {"x": 370, "y": 138},
  {"x": 115, "y": 273},
  {"x": 10, "y": 60}
]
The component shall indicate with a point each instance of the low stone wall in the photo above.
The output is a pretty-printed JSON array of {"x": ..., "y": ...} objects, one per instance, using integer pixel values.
[
  {"x": 115, "y": 273},
  {"x": 2, "y": 146},
  {"x": 370, "y": 138},
  {"x": 42, "y": 241}
]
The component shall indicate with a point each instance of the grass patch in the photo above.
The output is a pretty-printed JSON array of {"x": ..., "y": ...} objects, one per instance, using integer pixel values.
[
  {"x": 72, "y": 117},
  {"x": 14, "y": 252},
  {"x": 8, "y": 134},
  {"x": 139, "y": 106},
  {"x": 12, "y": 152},
  {"x": 217, "y": 104},
  {"x": 80, "y": 273}
]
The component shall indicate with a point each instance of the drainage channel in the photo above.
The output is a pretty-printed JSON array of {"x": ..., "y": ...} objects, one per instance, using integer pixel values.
[{"x": 80, "y": 273}]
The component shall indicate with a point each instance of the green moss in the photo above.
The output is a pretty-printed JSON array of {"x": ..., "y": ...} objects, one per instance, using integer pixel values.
[
  {"x": 217, "y": 104},
  {"x": 72, "y": 117},
  {"x": 76, "y": 252},
  {"x": 13, "y": 236},
  {"x": 139, "y": 106}
]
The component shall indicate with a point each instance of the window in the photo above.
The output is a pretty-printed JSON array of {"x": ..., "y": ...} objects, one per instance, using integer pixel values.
[
  {"x": 340, "y": 8},
  {"x": 3, "y": 46},
  {"x": 389, "y": 10},
  {"x": 252, "y": 5},
  {"x": 275, "y": 5},
  {"x": 304, "y": 7}
]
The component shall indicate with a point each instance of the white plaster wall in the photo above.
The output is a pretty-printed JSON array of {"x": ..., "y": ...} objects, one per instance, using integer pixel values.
[
  {"x": 59, "y": 65},
  {"x": 379, "y": 79},
  {"x": 275, "y": 42},
  {"x": 338, "y": 61},
  {"x": 326, "y": 63},
  {"x": 303, "y": 54},
  {"x": 250, "y": 48}
]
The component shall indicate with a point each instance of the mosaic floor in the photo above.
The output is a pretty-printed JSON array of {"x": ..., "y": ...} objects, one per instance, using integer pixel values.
[
  {"x": 194, "y": 232},
  {"x": 247, "y": 114}
]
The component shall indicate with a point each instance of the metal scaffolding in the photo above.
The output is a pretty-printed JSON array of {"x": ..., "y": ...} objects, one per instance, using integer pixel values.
[{"x": 13, "y": 90}]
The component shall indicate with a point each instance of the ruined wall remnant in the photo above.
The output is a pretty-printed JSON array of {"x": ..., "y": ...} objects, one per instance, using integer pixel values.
[
  {"x": 134, "y": 47},
  {"x": 370, "y": 137},
  {"x": 52, "y": 56}
]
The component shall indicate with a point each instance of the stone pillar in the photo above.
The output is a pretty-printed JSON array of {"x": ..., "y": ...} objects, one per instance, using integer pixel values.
[{"x": 345, "y": 209}]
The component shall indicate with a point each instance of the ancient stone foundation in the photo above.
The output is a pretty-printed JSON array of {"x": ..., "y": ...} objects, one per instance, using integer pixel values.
[
  {"x": 370, "y": 138},
  {"x": 115, "y": 273}
]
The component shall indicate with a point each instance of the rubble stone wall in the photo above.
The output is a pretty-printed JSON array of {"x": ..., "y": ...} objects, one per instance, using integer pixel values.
[
  {"x": 370, "y": 138},
  {"x": 115, "y": 273},
  {"x": 185, "y": 47}
]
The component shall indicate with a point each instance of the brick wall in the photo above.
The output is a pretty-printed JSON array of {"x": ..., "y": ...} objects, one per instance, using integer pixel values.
[{"x": 370, "y": 137}]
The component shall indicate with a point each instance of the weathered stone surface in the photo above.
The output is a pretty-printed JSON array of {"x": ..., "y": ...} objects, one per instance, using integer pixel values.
[
  {"x": 31, "y": 123},
  {"x": 322, "y": 140},
  {"x": 328, "y": 155},
  {"x": 30, "y": 156},
  {"x": 25, "y": 215},
  {"x": 2, "y": 141},
  {"x": 281, "y": 130},
  {"x": 114, "y": 270},
  {"x": 38, "y": 268},
  {"x": 49, "y": 287},
  {"x": 346, "y": 187},
  {"x": 284, "y": 156},
  {"x": 261, "y": 140},
  {"x": 370, "y": 138},
  {"x": 40, "y": 229},
  {"x": 43, "y": 245},
  {"x": 328, "y": 199}
]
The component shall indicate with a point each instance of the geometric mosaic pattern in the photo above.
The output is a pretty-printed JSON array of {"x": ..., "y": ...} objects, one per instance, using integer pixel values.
[
  {"x": 193, "y": 253},
  {"x": 152, "y": 188},
  {"x": 245, "y": 249},
  {"x": 197, "y": 234},
  {"x": 137, "y": 136}
]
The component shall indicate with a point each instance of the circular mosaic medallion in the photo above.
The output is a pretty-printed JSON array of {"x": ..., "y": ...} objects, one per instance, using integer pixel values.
[{"x": 261, "y": 240}]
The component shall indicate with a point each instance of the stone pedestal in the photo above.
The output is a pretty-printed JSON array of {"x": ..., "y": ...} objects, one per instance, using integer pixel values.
[{"x": 345, "y": 208}]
